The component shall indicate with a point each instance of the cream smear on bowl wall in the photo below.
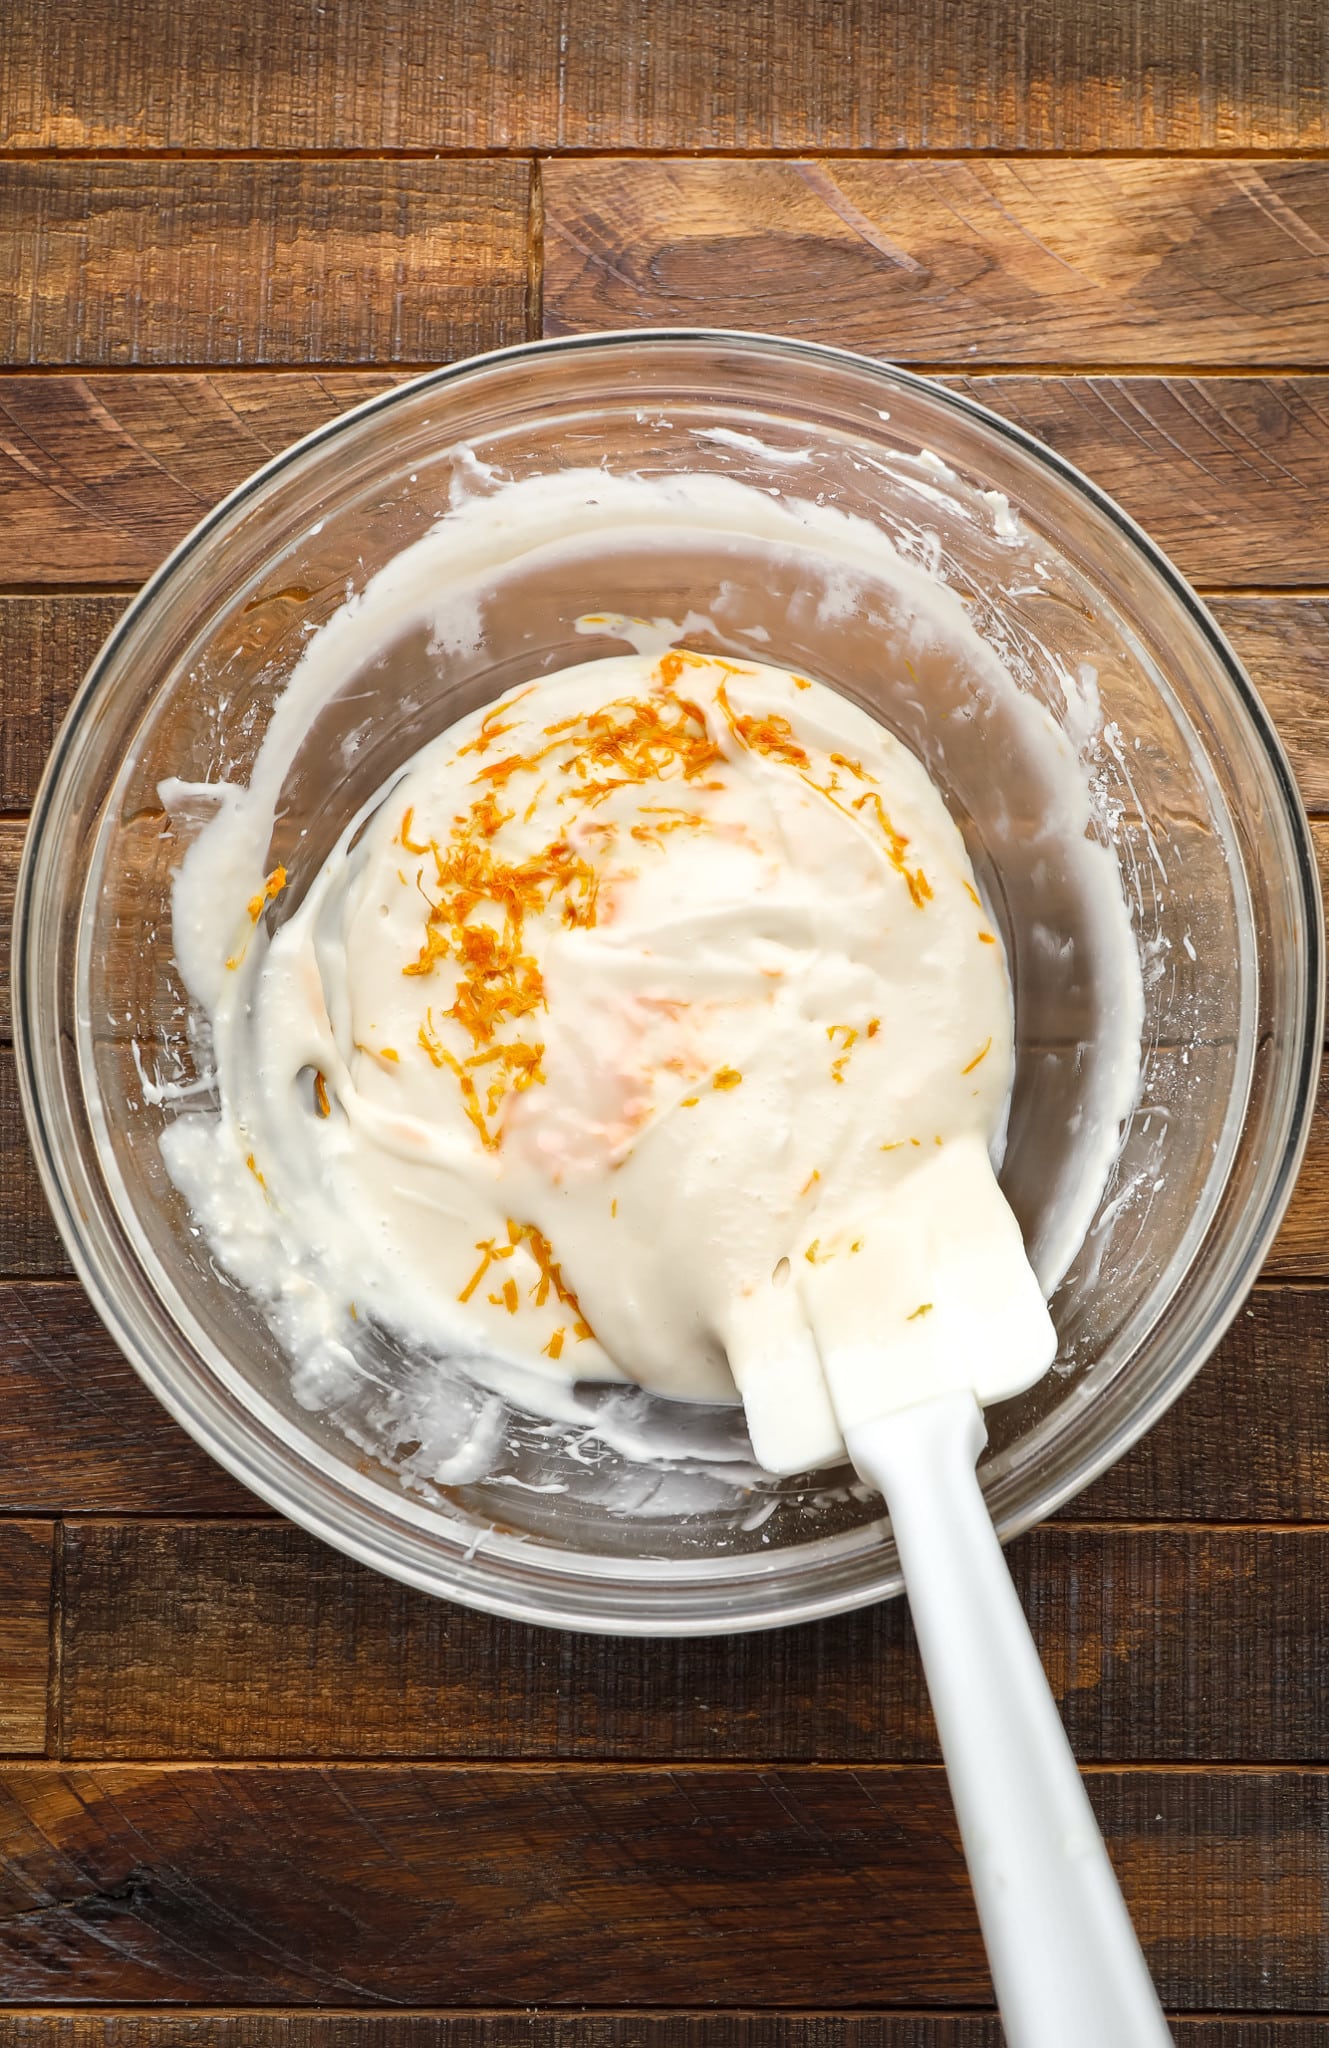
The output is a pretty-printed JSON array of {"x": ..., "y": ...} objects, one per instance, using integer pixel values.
[{"x": 738, "y": 1003}]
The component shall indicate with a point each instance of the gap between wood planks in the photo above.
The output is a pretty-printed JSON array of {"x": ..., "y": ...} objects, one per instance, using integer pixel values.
[
  {"x": 541, "y": 152},
  {"x": 947, "y": 366},
  {"x": 412, "y": 1762}
]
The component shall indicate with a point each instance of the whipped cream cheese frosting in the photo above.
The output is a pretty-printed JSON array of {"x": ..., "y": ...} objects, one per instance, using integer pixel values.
[
  {"x": 634, "y": 990},
  {"x": 548, "y": 1088}
]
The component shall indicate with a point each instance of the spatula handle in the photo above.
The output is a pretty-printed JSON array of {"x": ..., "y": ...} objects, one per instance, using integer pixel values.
[{"x": 1065, "y": 1960}]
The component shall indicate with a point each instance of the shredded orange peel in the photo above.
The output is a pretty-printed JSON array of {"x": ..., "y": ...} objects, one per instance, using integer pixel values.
[
  {"x": 256, "y": 906},
  {"x": 478, "y": 903},
  {"x": 549, "y": 1277}
]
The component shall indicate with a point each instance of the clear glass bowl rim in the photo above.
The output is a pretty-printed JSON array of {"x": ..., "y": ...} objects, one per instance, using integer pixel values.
[{"x": 297, "y": 1495}]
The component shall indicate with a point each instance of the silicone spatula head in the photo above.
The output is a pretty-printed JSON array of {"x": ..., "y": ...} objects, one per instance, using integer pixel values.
[{"x": 931, "y": 1293}]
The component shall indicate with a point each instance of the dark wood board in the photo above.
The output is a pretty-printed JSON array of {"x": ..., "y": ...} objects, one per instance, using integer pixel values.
[
  {"x": 46, "y": 647},
  {"x": 26, "y": 1550},
  {"x": 1247, "y": 1442},
  {"x": 30, "y": 1245},
  {"x": 693, "y": 74},
  {"x": 240, "y": 1640},
  {"x": 484, "y": 1885},
  {"x": 29, "y": 1241},
  {"x": 80, "y": 1433},
  {"x": 167, "y": 2029},
  {"x": 101, "y": 476},
  {"x": 1301, "y": 1248}
]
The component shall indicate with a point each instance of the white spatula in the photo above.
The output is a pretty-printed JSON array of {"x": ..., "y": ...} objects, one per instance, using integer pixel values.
[{"x": 928, "y": 1311}]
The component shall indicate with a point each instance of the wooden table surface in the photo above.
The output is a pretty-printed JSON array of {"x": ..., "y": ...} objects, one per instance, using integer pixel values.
[{"x": 252, "y": 1794}]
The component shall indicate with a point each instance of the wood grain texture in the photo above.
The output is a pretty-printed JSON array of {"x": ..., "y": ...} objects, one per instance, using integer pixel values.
[
  {"x": 1284, "y": 645},
  {"x": 1301, "y": 1249},
  {"x": 12, "y": 834},
  {"x": 140, "y": 263},
  {"x": 606, "y": 74},
  {"x": 980, "y": 261},
  {"x": 46, "y": 646},
  {"x": 1248, "y": 1440},
  {"x": 481, "y": 1885},
  {"x": 99, "y": 477},
  {"x": 166, "y": 2029},
  {"x": 1208, "y": 465},
  {"x": 183, "y": 1640},
  {"x": 25, "y": 1635},
  {"x": 79, "y": 1431},
  {"x": 28, "y": 1239}
]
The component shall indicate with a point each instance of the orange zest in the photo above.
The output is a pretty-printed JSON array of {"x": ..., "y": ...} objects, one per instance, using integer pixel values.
[
  {"x": 978, "y": 1058},
  {"x": 772, "y": 735},
  {"x": 256, "y": 906},
  {"x": 479, "y": 904},
  {"x": 274, "y": 885},
  {"x": 550, "y": 1276},
  {"x": 917, "y": 883},
  {"x": 489, "y": 1250}
]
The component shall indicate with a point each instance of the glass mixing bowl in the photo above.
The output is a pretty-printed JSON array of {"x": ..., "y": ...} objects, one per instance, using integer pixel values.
[{"x": 1200, "y": 809}]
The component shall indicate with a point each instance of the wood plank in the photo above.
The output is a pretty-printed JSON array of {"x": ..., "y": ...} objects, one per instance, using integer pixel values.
[
  {"x": 25, "y": 1634},
  {"x": 1284, "y": 645},
  {"x": 1299, "y": 705},
  {"x": 234, "y": 1640},
  {"x": 128, "y": 263},
  {"x": 1248, "y": 1441},
  {"x": 100, "y": 476},
  {"x": 163, "y": 2028},
  {"x": 1301, "y": 1249},
  {"x": 48, "y": 643},
  {"x": 46, "y": 646},
  {"x": 79, "y": 1431},
  {"x": 29, "y": 1242},
  {"x": 12, "y": 834},
  {"x": 1245, "y": 1442},
  {"x": 484, "y": 1885},
  {"x": 1209, "y": 466},
  {"x": 1053, "y": 260},
  {"x": 697, "y": 74}
]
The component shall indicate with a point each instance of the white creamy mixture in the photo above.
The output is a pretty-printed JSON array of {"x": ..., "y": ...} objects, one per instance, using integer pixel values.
[
  {"x": 605, "y": 1019},
  {"x": 633, "y": 994}
]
